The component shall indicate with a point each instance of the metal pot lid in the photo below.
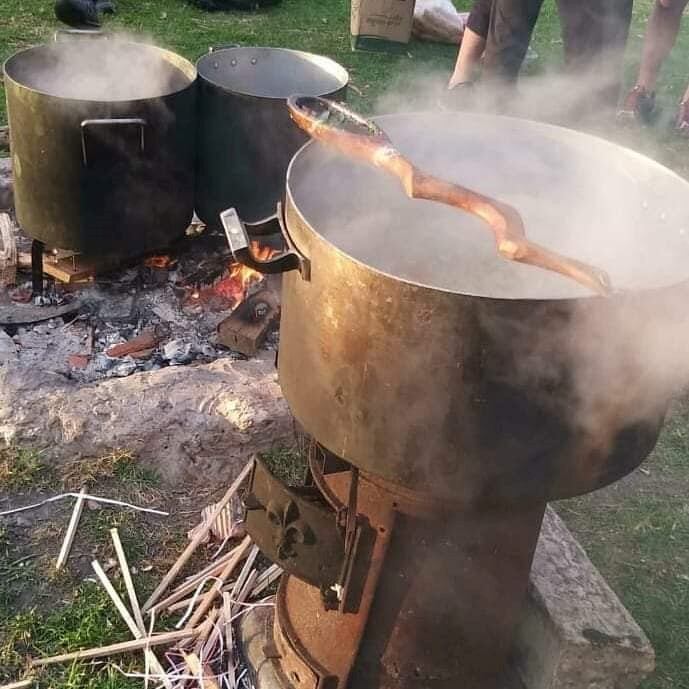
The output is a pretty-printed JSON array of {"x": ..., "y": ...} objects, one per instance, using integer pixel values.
[
  {"x": 272, "y": 72},
  {"x": 103, "y": 70},
  {"x": 579, "y": 195}
]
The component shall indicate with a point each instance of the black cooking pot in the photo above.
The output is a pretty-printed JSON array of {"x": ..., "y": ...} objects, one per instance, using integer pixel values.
[
  {"x": 411, "y": 349},
  {"x": 245, "y": 136},
  {"x": 102, "y": 139}
]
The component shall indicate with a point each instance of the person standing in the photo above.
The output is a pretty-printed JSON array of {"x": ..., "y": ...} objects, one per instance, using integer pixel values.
[
  {"x": 594, "y": 35},
  {"x": 661, "y": 34}
]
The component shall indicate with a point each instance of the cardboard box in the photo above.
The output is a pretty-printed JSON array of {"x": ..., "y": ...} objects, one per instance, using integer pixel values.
[{"x": 381, "y": 24}]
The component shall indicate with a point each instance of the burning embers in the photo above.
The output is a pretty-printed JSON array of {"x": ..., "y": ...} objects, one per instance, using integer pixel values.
[{"x": 240, "y": 282}]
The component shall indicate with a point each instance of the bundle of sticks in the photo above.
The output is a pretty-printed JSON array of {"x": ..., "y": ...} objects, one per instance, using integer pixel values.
[{"x": 200, "y": 651}]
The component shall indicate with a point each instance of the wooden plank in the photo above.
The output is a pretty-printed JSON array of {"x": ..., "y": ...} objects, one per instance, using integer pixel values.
[
  {"x": 123, "y": 647},
  {"x": 242, "y": 331},
  {"x": 189, "y": 550},
  {"x": 71, "y": 530},
  {"x": 78, "y": 268}
]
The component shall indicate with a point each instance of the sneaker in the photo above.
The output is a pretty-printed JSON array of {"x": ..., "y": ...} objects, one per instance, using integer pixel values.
[{"x": 639, "y": 105}]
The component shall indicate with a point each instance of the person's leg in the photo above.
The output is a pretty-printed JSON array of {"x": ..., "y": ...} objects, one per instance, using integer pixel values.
[
  {"x": 661, "y": 33},
  {"x": 595, "y": 35},
  {"x": 470, "y": 51},
  {"x": 509, "y": 33}
]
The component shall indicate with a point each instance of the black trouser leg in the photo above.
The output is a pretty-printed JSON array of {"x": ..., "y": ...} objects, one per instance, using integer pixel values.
[
  {"x": 595, "y": 35},
  {"x": 509, "y": 33}
]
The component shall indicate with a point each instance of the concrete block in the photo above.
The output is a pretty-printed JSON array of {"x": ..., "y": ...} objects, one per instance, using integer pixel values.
[{"x": 575, "y": 632}]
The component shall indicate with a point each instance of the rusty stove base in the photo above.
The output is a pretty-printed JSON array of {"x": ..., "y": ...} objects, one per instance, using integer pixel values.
[
  {"x": 435, "y": 608},
  {"x": 257, "y": 642}
]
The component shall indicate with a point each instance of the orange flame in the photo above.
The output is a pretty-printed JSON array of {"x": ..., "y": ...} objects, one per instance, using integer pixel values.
[{"x": 234, "y": 287}]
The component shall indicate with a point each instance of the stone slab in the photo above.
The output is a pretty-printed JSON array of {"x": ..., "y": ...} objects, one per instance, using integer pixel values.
[{"x": 575, "y": 632}]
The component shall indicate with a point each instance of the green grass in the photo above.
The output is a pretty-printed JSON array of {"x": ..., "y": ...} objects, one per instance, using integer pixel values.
[
  {"x": 22, "y": 468},
  {"x": 637, "y": 533},
  {"x": 87, "y": 620}
]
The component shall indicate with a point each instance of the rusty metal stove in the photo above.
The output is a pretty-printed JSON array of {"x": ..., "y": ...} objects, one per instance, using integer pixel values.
[{"x": 387, "y": 587}]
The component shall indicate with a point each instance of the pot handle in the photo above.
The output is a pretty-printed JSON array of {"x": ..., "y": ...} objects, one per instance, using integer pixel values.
[
  {"x": 91, "y": 33},
  {"x": 222, "y": 46},
  {"x": 113, "y": 122},
  {"x": 238, "y": 239}
]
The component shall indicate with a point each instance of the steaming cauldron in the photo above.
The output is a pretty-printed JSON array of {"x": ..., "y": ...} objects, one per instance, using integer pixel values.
[
  {"x": 102, "y": 139},
  {"x": 410, "y": 349},
  {"x": 245, "y": 136}
]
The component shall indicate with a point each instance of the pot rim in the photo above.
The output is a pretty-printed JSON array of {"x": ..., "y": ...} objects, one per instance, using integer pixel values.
[
  {"x": 564, "y": 300},
  {"x": 185, "y": 66},
  {"x": 339, "y": 72}
]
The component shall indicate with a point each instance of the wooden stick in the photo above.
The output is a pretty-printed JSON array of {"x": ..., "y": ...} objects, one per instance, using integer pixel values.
[
  {"x": 138, "y": 633},
  {"x": 71, "y": 530},
  {"x": 194, "y": 582},
  {"x": 215, "y": 590},
  {"x": 127, "y": 576},
  {"x": 244, "y": 593},
  {"x": 202, "y": 574},
  {"x": 270, "y": 576},
  {"x": 19, "y": 685},
  {"x": 227, "y": 619},
  {"x": 206, "y": 678},
  {"x": 244, "y": 574},
  {"x": 123, "y": 647},
  {"x": 210, "y": 621},
  {"x": 189, "y": 550}
]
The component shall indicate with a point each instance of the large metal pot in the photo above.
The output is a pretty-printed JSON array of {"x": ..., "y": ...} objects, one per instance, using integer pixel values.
[
  {"x": 102, "y": 139},
  {"x": 410, "y": 349},
  {"x": 245, "y": 136}
]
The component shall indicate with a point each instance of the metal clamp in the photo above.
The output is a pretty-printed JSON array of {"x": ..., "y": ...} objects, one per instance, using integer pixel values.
[
  {"x": 294, "y": 528},
  {"x": 123, "y": 121},
  {"x": 238, "y": 239}
]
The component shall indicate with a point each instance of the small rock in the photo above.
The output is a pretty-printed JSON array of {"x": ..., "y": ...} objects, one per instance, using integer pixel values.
[
  {"x": 102, "y": 363},
  {"x": 122, "y": 370},
  {"x": 93, "y": 505},
  {"x": 78, "y": 360},
  {"x": 8, "y": 350},
  {"x": 110, "y": 564},
  {"x": 178, "y": 352},
  {"x": 6, "y": 184}
]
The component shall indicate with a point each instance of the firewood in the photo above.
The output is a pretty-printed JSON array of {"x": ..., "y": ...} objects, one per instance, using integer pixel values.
[
  {"x": 194, "y": 582},
  {"x": 137, "y": 632},
  {"x": 210, "y": 625},
  {"x": 122, "y": 647},
  {"x": 71, "y": 530},
  {"x": 127, "y": 576},
  {"x": 244, "y": 331},
  {"x": 189, "y": 550},
  {"x": 19, "y": 685},
  {"x": 215, "y": 590},
  {"x": 206, "y": 678}
]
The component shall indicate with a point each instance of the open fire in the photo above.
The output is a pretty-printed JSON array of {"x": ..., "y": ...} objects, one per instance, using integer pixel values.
[{"x": 233, "y": 288}]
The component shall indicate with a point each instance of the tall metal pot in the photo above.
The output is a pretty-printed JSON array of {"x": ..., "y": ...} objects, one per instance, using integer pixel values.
[
  {"x": 408, "y": 348},
  {"x": 102, "y": 139},
  {"x": 245, "y": 136}
]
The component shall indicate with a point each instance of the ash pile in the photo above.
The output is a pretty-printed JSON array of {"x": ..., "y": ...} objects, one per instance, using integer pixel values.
[{"x": 91, "y": 320}]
